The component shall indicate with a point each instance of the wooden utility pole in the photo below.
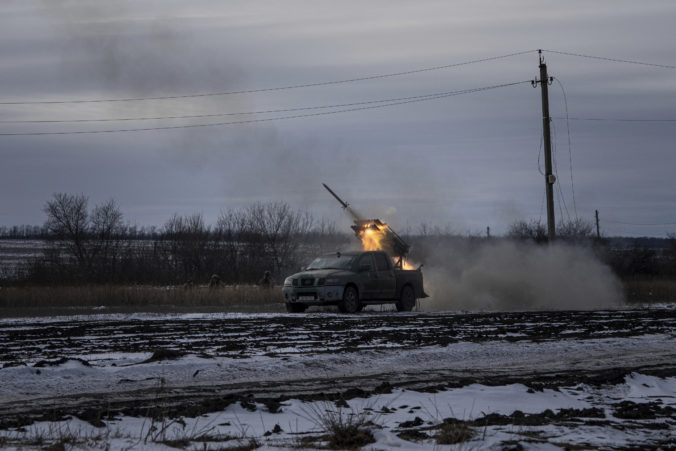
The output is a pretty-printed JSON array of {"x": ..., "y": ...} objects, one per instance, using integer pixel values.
[
  {"x": 550, "y": 179},
  {"x": 598, "y": 230}
]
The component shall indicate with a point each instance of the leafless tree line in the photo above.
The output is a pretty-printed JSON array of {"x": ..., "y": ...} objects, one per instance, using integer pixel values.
[
  {"x": 94, "y": 246},
  {"x": 574, "y": 231}
]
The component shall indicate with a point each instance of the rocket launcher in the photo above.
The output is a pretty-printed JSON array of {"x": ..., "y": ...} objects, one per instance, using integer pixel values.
[{"x": 375, "y": 234}]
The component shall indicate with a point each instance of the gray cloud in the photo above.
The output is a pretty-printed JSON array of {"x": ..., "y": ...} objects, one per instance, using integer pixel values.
[{"x": 469, "y": 161}]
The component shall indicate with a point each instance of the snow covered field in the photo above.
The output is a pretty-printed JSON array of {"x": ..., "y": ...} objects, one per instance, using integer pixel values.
[
  {"x": 497, "y": 416},
  {"x": 536, "y": 380}
]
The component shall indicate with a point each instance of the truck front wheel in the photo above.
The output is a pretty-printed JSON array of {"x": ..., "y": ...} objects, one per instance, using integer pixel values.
[
  {"x": 406, "y": 300},
  {"x": 350, "y": 302}
]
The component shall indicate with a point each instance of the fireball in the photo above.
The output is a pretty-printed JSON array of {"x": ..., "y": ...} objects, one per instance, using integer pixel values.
[{"x": 374, "y": 237}]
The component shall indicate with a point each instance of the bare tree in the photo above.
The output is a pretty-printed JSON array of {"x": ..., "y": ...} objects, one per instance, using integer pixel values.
[
  {"x": 185, "y": 240},
  {"x": 105, "y": 228},
  {"x": 576, "y": 230},
  {"x": 526, "y": 231},
  {"x": 282, "y": 229},
  {"x": 243, "y": 247},
  {"x": 91, "y": 240},
  {"x": 325, "y": 238},
  {"x": 263, "y": 236},
  {"x": 67, "y": 219}
]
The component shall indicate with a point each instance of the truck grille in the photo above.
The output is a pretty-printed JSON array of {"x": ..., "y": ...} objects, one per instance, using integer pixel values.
[{"x": 307, "y": 282}]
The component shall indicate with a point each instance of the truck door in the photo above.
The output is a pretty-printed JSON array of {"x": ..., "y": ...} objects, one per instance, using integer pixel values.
[
  {"x": 368, "y": 277},
  {"x": 387, "y": 282}
]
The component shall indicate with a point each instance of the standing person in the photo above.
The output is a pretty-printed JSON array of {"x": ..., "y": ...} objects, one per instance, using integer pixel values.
[
  {"x": 266, "y": 280},
  {"x": 214, "y": 281}
]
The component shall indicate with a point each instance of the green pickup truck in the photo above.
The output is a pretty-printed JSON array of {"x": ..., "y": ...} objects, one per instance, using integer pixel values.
[{"x": 352, "y": 280}]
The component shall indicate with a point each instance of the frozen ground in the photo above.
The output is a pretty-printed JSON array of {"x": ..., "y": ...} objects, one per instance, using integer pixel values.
[
  {"x": 494, "y": 417},
  {"x": 540, "y": 380}
]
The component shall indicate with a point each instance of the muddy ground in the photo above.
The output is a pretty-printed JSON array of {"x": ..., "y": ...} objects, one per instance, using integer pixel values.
[{"x": 242, "y": 336}]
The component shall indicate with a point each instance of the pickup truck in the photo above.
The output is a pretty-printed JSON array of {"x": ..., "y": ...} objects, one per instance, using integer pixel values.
[{"x": 352, "y": 280}]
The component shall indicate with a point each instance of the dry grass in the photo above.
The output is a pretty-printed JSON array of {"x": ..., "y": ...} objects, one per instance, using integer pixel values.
[
  {"x": 451, "y": 433},
  {"x": 235, "y": 298},
  {"x": 50, "y": 300},
  {"x": 346, "y": 429},
  {"x": 650, "y": 290}
]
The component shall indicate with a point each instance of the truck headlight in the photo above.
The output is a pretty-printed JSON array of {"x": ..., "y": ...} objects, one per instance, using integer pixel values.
[{"x": 288, "y": 282}]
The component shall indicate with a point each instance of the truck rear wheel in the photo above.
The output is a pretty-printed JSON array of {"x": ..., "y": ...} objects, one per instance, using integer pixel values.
[
  {"x": 406, "y": 300},
  {"x": 350, "y": 302},
  {"x": 295, "y": 307}
]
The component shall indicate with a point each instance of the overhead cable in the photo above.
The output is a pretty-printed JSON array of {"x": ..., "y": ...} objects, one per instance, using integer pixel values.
[
  {"x": 557, "y": 186},
  {"x": 615, "y": 60},
  {"x": 331, "y": 82},
  {"x": 570, "y": 147},
  {"x": 281, "y": 110},
  {"x": 610, "y": 119},
  {"x": 278, "y": 88},
  {"x": 639, "y": 224},
  {"x": 249, "y": 121}
]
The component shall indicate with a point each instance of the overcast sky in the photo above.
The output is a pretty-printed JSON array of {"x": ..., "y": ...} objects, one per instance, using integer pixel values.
[{"x": 464, "y": 162}]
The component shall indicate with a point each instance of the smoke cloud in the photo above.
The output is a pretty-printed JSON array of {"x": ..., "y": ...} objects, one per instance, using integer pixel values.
[{"x": 504, "y": 275}]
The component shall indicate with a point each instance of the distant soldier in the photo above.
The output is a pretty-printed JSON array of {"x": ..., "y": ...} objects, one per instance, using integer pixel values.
[
  {"x": 214, "y": 281},
  {"x": 266, "y": 280}
]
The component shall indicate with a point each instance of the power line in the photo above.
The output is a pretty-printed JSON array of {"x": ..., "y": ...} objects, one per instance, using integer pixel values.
[
  {"x": 556, "y": 172},
  {"x": 249, "y": 121},
  {"x": 570, "y": 147},
  {"x": 542, "y": 204},
  {"x": 610, "y": 119},
  {"x": 615, "y": 60},
  {"x": 282, "y": 110},
  {"x": 539, "y": 154},
  {"x": 332, "y": 82},
  {"x": 639, "y": 224},
  {"x": 278, "y": 88}
]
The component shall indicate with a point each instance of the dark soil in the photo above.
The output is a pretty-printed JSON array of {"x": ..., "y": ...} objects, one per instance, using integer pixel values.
[
  {"x": 519, "y": 418},
  {"x": 642, "y": 411},
  {"x": 314, "y": 333}
]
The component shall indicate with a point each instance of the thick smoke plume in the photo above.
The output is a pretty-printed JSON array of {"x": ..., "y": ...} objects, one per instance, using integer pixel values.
[{"x": 504, "y": 275}]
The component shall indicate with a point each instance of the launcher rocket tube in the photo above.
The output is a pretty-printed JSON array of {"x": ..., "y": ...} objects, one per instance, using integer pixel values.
[{"x": 344, "y": 204}]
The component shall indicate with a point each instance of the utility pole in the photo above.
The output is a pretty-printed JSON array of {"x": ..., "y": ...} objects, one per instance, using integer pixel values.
[
  {"x": 598, "y": 230},
  {"x": 550, "y": 179}
]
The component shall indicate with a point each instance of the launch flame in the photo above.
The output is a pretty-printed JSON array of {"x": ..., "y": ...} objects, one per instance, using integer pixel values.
[{"x": 374, "y": 236}]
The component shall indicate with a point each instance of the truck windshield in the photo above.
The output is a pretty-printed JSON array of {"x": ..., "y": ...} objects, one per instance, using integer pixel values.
[{"x": 332, "y": 262}]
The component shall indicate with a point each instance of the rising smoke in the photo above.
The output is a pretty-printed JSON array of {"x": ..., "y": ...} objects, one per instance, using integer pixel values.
[{"x": 504, "y": 275}]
